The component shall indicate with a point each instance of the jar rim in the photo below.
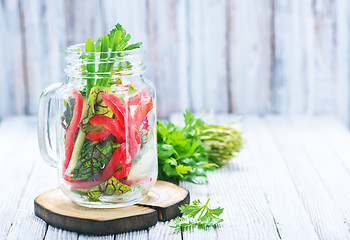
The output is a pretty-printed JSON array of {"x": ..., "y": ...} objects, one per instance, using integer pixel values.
[
  {"x": 78, "y": 48},
  {"x": 74, "y": 61}
]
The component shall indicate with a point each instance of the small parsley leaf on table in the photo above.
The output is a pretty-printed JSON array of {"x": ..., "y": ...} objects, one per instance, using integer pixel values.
[{"x": 198, "y": 215}]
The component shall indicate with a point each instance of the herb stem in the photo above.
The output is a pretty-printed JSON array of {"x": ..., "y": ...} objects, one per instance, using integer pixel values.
[{"x": 204, "y": 208}]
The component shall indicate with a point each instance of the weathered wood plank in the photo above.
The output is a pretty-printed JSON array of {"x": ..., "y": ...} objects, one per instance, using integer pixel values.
[
  {"x": 325, "y": 59},
  {"x": 162, "y": 231},
  {"x": 138, "y": 235},
  {"x": 82, "y": 20},
  {"x": 279, "y": 189},
  {"x": 12, "y": 78},
  {"x": 250, "y": 48},
  {"x": 326, "y": 217},
  {"x": 93, "y": 237},
  {"x": 342, "y": 44},
  {"x": 44, "y": 41},
  {"x": 289, "y": 55},
  {"x": 238, "y": 189},
  {"x": 166, "y": 52},
  {"x": 55, "y": 42},
  {"x": 326, "y": 162},
  {"x": 208, "y": 77},
  {"x": 337, "y": 137},
  {"x": 16, "y": 168},
  {"x": 133, "y": 16},
  {"x": 53, "y": 233},
  {"x": 29, "y": 182}
]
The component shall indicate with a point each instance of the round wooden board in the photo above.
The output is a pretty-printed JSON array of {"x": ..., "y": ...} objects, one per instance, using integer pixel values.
[{"x": 162, "y": 203}]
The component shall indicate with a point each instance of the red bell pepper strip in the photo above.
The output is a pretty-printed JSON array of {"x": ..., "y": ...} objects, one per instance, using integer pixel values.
[
  {"x": 116, "y": 105},
  {"x": 81, "y": 184},
  {"x": 145, "y": 124},
  {"x": 136, "y": 99},
  {"x": 98, "y": 136},
  {"x": 124, "y": 172},
  {"x": 144, "y": 106},
  {"x": 118, "y": 156},
  {"x": 73, "y": 126},
  {"x": 136, "y": 180},
  {"x": 110, "y": 124},
  {"x": 121, "y": 112},
  {"x": 131, "y": 153}
]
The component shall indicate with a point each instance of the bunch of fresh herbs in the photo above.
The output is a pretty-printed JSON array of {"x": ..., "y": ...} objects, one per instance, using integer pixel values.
[
  {"x": 181, "y": 155},
  {"x": 187, "y": 153}
]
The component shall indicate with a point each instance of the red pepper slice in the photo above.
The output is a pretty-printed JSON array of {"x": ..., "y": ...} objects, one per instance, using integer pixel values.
[
  {"x": 98, "y": 136},
  {"x": 110, "y": 124},
  {"x": 116, "y": 105},
  {"x": 81, "y": 183},
  {"x": 143, "y": 107},
  {"x": 124, "y": 172},
  {"x": 131, "y": 153},
  {"x": 118, "y": 155},
  {"x": 73, "y": 126},
  {"x": 136, "y": 99},
  {"x": 118, "y": 108},
  {"x": 137, "y": 180}
]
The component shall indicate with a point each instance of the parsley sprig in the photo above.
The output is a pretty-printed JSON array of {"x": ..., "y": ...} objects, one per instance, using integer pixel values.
[{"x": 198, "y": 215}]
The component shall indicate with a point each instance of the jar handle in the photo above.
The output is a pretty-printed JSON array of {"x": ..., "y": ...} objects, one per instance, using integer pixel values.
[{"x": 46, "y": 150}]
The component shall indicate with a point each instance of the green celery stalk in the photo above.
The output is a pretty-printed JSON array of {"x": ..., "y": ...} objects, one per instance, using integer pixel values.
[
  {"x": 112, "y": 55},
  {"x": 103, "y": 58},
  {"x": 90, "y": 82}
]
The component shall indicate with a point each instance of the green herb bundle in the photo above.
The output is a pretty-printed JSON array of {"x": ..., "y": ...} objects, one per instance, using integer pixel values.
[
  {"x": 181, "y": 155},
  {"x": 187, "y": 153}
]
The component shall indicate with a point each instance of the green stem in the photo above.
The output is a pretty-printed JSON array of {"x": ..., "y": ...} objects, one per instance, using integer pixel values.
[
  {"x": 204, "y": 208},
  {"x": 90, "y": 48},
  {"x": 79, "y": 142}
]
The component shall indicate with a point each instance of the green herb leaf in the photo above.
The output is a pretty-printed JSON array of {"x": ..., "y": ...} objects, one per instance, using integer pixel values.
[
  {"x": 94, "y": 105},
  {"x": 198, "y": 215},
  {"x": 94, "y": 157},
  {"x": 98, "y": 44},
  {"x": 133, "y": 46},
  {"x": 110, "y": 187}
]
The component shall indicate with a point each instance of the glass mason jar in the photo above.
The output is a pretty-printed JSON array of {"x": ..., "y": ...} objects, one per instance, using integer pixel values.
[{"x": 99, "y": 128}]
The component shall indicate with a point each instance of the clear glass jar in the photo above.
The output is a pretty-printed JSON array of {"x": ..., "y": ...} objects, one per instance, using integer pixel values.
[{"x": 99, "y": 128}]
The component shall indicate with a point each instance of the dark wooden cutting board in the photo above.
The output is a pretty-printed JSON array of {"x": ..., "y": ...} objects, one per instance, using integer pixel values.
[{"x": 161, "y": 204}]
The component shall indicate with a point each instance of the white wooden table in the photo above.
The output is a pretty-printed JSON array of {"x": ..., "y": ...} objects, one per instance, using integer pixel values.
[{"x": 292, "y": 181}]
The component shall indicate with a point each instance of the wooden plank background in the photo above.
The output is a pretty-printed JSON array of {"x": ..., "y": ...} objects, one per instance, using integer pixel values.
[{"x": 251, "y": 56}]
